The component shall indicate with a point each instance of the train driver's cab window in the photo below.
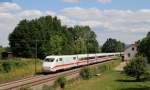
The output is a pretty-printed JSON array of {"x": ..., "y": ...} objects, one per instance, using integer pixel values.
[
  {"x": 60, "y": 59},
  {"x": 49, "y": 59}
]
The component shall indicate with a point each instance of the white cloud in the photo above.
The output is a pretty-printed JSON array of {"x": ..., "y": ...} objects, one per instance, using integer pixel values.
[
  {"x": 49, "y": 12},
  {"x": 71, "y": 1},
  {"x": 30, "y": 14},
  {"x": 77, "y": 1},
  {"x": 81, "y": 13},
  {"x": 6, "y": 6},
  {"x": 111, "y": 20},
  {"x": 116, "y": 23},
  {"x": 104, "y": 1}
]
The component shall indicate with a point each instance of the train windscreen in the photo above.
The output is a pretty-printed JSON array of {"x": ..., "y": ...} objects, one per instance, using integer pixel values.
[{"x": 49, "y": 59}]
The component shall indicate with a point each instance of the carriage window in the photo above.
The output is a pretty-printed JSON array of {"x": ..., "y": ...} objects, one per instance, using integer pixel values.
[
  {"x": 129, "y": 54},
  {"x": 49, "y": 59},
  {"x": 133, "y": 49},
  {"x": 60, "y": 59},
  {"x": 74, "y": 58}
]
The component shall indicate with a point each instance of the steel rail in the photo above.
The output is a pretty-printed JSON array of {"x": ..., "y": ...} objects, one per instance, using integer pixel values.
[{"x": 43, "y": 79}]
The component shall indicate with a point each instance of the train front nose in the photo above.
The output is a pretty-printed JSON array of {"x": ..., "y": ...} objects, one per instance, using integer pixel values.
[{"x": 47, "y": 67}]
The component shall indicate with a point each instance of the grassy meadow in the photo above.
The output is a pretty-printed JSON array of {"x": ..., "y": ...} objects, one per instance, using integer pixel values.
[
  {"x": 18, "y": 68},
  {"x": 109, "y": 80}
]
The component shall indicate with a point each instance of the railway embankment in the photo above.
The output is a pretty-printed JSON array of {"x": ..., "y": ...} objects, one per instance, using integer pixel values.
[
  {"x": 18, "y": 68},
  {"x": 39, "y": 81},
  {"x": 109, "y": 80}
]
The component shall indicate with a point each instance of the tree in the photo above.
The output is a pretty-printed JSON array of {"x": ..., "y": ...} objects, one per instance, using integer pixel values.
[
  {"x": 51, "y": 38},
  {"x": 144, "y": 47},
  {"x": 80, "y": 45},
  {"x": 112, "y": 45},
  {"x": 61, "y": 81},
  {"x": 137, "y": 67}
]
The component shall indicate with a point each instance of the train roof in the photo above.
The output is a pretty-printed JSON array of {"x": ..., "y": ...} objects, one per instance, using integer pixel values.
[{"x": 99, "y": 54}]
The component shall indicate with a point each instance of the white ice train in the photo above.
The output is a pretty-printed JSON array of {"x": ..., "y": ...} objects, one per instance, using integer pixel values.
[{"x": 54, "y": 63}]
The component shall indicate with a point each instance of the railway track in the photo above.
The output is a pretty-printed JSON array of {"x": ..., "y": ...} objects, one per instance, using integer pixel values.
[
  {"x": 37, "y": 80},
  {"x": 32, "y": 81}
]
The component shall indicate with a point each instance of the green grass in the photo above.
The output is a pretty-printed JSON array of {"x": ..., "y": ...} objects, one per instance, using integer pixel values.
[
  {"x": 2, "y": 50},
  {"x": 19, "y": 68},
  {"x": 109, "y": 80}
]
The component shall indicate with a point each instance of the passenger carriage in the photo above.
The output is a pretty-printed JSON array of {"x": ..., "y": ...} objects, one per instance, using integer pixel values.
[{"x": 58, "y": 62}]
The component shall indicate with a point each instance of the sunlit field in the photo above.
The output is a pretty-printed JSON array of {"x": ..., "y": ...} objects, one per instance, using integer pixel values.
[
  {"x": 109, "y": 80},
  {"x": 18, "y": 68}
]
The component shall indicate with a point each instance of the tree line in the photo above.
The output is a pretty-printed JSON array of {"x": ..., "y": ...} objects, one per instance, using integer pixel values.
[
  {"x": 144, "y": 47},
  {"x": 112, "y": 45},
  {"x": 51, "y": 37}
]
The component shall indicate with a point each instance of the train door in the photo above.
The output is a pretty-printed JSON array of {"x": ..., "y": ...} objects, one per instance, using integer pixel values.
[
  {"x": 75, "y": 61},
  {"x": 59, "y": 63}
]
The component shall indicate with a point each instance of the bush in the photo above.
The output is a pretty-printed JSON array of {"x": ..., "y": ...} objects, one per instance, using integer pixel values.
[
  {"x": 7, "y": 66},
  {"x": 46, "y": 87},
  {"x": 86, "y": 73},
  {"x": 137, "y": 67},
  {"x": 25, "y": 88},
  {"x": 146, "y": 76},
  {"x": 61, "y": 81}
]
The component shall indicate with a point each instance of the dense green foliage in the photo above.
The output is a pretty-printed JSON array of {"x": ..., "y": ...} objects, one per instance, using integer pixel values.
[
  {"x": 86, "y": 73},
  {"x": 6, "y": 67},
  {"x": 137, "y": 67},
  {"x": 144, "y": 47},
  {"x": 61, "y": 81},
  {"x": 112, "y": 45},
  {"x": 51, "y": 38}
]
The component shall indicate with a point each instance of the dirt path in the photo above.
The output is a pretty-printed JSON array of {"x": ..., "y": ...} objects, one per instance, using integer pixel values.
[{"x": 120, "y": 66}]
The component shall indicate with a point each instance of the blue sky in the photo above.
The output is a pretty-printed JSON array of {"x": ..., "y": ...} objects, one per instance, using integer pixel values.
[
  {"x": 125, "y": 20},
  {"x": 59, "y": 4}
]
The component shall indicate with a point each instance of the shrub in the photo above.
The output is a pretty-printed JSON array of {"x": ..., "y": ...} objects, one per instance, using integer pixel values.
[
  {"x": 46, "y": 87},
  {"x": 137, "y": 67},
  {"x": 61, "y": 81},
  {"x": 7, "y": 66},
  {"x": 25, "y": 88},
  {"x": 86, "y": 73},
  {"x": 146, "y": 76}
]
